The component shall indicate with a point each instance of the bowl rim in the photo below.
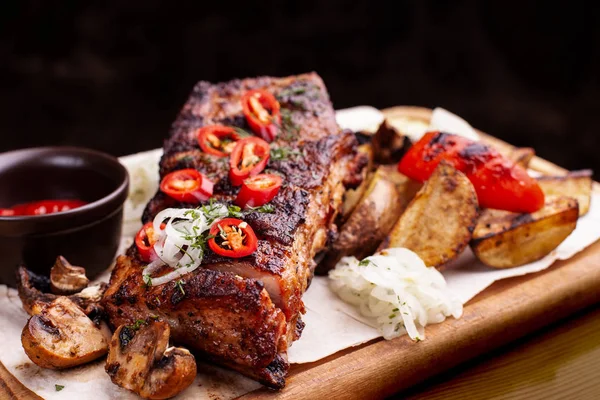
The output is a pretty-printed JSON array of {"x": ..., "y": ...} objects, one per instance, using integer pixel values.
[{"x": 89, "y": 207}]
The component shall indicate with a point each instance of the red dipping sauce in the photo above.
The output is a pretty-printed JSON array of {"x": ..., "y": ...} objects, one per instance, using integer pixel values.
[{"x": 41, "y": 207}]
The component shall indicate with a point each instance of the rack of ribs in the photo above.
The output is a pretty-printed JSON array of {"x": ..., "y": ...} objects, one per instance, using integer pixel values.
[{"x": 244, "y": 313}]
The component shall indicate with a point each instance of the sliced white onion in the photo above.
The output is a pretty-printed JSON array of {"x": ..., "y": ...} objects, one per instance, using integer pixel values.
[
  {"x": 176, "y": 273},
  {"x": 152, "y": 267},
  {"x": 396, "y": 290},
  {"x": 175, "y": 244}
]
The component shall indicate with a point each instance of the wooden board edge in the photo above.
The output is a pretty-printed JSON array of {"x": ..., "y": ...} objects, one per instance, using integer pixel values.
[{"x": 401, "y": 363}]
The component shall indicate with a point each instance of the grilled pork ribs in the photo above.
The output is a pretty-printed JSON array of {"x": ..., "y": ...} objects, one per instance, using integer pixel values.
[{"x": 245, "y": 313}]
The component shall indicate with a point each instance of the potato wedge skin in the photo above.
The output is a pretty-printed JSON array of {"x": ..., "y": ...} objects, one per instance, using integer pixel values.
[
  {"x": 522, "y": 156},
  {"x": 62, "y": 336},
  {"x": 369, "y": 223},
  {"x": 504, "y": 240},
  {"x": 439, "y": 221},
  {"x": 576, "y": 184}
]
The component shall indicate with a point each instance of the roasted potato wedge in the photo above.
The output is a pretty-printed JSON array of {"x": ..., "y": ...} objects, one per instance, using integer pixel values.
[
  {"x": 369, "y": 223},
  {"x": 140, "y": 361},
  {"x": 576, "y": 184},
  {"x": 522, "y": 156},
  {"x": 353, "y": 196},
  {"x": 62, "y": 336},
  {"x": 438, "y": 222},
  {"x": 406, "y": 187},
  {"x": 503, "y": 239}
]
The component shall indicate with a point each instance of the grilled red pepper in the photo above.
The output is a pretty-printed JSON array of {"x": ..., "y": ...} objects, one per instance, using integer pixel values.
[
  {"x": 258, "y": 190},
  {"x": 187, "y": 185},
  {"x": 233, "y": 238},
  {"x": 262, "y": 113},
  {"x": 218, "y": 140},
  {"x": 248, "y": 158},
  {"x": 499, "y": 182},
  {"x": 144, "y": 241}
]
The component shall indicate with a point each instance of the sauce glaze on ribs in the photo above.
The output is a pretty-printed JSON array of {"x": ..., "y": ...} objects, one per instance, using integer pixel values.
[{"x": 245, "y": 313}]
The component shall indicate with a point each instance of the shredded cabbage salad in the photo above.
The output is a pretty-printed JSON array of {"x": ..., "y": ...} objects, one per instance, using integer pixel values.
[{"x": 396, "y": 290}]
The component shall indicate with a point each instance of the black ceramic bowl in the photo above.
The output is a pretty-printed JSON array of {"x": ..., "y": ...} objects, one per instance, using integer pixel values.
[{"x": 87, "y": 236}]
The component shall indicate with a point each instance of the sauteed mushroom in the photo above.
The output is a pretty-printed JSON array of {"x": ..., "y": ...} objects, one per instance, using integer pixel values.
[
  {"x": 33, "y": 291},
  {"x": 139, "y": 360},
  {"x": 66, "y": 278},
  {"x": 62, "y": 336}
]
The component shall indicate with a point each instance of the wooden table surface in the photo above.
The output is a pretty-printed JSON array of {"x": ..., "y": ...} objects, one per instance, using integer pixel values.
[
  {"x": 561, "y": 361},
  {"x": 557, "y": 362}
]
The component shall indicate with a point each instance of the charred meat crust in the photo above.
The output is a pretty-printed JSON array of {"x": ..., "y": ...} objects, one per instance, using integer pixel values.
[
  {"x": 212, "y": 312},
  {"x": 244, "y": 313}
]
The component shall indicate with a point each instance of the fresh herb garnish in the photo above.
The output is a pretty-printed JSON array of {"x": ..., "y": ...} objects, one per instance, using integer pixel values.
[
  {"x": 282, "y": 153},
  {"x": 364, "y": 263},
  {"x": 180, "y": 284},
  {"x": 235, "y": 211},
  {"x": 138, "y": 323},
  {"x": 291, "y": 91},
  {"x": 266, "y": 208},
  {"x": 58, "y": 388},
  {"x": 213, "y": 211},
  {"x": 147, "y": 280},
  {"x": 287, "y": 123}
]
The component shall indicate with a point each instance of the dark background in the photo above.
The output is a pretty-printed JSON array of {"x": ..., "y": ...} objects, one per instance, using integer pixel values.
[{"x": 113, "y": 75}]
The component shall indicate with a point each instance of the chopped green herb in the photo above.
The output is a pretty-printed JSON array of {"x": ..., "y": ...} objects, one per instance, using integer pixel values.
[
  {"x": 364, "y": 263},
  {"x": 395, "y": 310},
  {"x": 235, "y": 211},
  {"x": 266, "y": 208},
  {"x": 147, "y": 280},
  {"x": 212, "y": 211},
  {"x": 180, "y": 284},
  {"x": 58, "y": 388},
  {"x": 392, "y": 316},
  {"x": 137, "y": 324},
  {"x": 418, "y": 339},
  {"x": 282, "y": 153},
  {"x": 291, "y": 91}
]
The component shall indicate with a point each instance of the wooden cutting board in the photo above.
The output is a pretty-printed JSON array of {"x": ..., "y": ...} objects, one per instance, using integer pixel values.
[{"x": 507, "y": 310}]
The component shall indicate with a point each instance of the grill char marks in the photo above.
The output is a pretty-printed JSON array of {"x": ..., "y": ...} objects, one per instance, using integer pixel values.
[
  {"x": 316, "y": 160},
  {"x": 233, "y": 318}
]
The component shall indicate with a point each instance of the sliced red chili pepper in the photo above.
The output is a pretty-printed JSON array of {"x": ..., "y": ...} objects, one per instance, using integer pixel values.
[
  {"x": 261, "y": 109},
  {"x": 258, "y": 190},
  {"x": 248, "y": 158},
  {"x": 187, "y": 185},
  {"x": 218, "y": 140},
  {"x": 499, "y": 182},
  {"x": 144, "y": 241},
  {"x": 233, "y": 238}
]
